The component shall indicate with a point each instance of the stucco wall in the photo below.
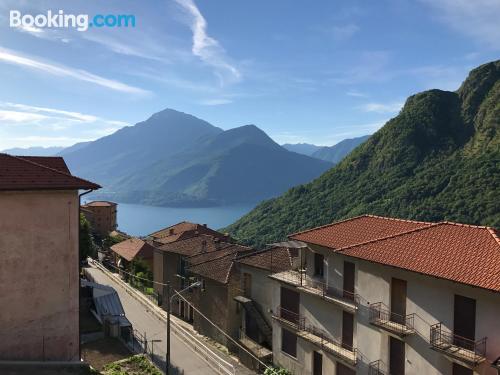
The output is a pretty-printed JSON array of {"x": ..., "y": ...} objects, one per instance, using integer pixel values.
[
  {"x": 261, "y": 292},
  {"x": 39, "y": 275}
]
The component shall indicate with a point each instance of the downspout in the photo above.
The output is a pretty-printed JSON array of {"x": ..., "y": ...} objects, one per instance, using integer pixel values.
[{"x": 78, "y": 260}]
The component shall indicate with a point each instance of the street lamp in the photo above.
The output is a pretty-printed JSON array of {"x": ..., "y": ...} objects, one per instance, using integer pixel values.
[{"x": 170, "y": 300}]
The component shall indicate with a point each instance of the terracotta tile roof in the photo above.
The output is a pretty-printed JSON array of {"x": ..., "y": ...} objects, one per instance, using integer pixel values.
[
  {"x": 193, "y": 245},
  {"x": 99, "y": 204},
  {"x": 356, "y": 230},
  {"x": 54, "y": 162},
  {"x": 175, "y": 232},
  {"x": 133, "y": 247},
  {"x": 461, "y": 253},
  {"x": 17, "y": 173},
  {"x": 217, "y": 265},
  {"x": 275, "y": 259}
]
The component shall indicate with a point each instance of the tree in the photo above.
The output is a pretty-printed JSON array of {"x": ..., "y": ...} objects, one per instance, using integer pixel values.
[{"x": 88, "y": 247}]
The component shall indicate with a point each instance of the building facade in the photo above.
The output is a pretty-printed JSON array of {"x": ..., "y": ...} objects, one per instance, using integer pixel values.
[
  {"x": 386, "y": 296},
  {"x": 101, "y": 216},
  {"x": 39, "y": 281}
]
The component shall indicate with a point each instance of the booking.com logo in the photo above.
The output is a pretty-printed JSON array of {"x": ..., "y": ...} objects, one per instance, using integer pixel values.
[{"x": 80, "y": 22}]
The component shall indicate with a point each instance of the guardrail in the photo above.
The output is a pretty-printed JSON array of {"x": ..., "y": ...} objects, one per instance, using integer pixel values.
[
  {"x": 215, "y": 361},
  {"x": 382, "y": 316},
  {"x": 473, "y": 351}
]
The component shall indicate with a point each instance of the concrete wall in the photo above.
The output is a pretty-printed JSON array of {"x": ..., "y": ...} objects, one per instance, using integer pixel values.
[
  {"x": 39, "y": 275},
  {"x": 217, "y": 303},
  {"x": 261, "y": 292}
]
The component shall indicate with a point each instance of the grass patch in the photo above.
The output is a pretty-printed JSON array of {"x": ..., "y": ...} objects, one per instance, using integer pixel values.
[{"x": 135, "y": 365}]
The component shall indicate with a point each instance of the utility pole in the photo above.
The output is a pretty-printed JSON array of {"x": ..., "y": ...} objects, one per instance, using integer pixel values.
[{"x": 169, "y": 305}]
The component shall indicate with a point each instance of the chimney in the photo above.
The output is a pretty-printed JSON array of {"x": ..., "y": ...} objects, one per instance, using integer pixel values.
[
  {"x": 171, "y": 231},
  {"x": 203, "y": 246},
  {"x": 205, "y": 225}
]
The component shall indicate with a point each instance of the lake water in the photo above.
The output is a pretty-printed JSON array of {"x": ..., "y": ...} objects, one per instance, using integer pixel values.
[{"x": 140, "y": 220}]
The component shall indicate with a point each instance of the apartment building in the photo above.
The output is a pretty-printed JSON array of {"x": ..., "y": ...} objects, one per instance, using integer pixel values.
[
  {"x": 39, "y": 281},
  {"x": 378, "y": 295},
  {"x": 101, "y": 216}
]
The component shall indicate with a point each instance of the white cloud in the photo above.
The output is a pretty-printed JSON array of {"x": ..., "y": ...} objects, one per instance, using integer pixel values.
[
  {"x": 478, "y": 19},
  {"x": 15, "y": 58},
  {"x": 384, "y": 108},
  {"x": 215, "y": 101},
  {"x": 207, "y": 48},
  {"x": 24, "y": 125}
]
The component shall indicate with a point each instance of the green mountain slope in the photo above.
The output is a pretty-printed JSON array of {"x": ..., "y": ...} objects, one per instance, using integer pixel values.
[{"x": 439, "y": 159}]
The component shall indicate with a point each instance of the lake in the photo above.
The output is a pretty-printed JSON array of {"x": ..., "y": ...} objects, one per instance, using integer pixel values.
[{"x": 140, "y": 220}]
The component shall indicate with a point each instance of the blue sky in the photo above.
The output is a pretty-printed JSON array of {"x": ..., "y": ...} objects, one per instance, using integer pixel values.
[{"x": 303, "y": 71}]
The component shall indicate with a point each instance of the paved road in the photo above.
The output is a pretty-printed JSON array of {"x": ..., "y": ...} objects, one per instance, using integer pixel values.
[{"x": 144, "y": 321}]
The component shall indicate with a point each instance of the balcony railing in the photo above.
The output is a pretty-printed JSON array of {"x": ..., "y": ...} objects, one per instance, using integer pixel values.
[
  {"x": 291, "y": 318},
  {"x": 376, "y": 368},
  {"x": 317, "y": 286},
  {"x": 472, "y": 352},
  {"x": 316, "y": 336},
  {"x": 381, "y": 316}
]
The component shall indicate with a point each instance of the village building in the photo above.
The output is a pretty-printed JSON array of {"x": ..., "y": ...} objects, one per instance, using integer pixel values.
[
  {"x": 379, "y": 295},
  {"x": 101, "y": 216},
  {"x": 171, "y": 248},
  {"x": 132, "y": 249},
  {"x": 39, "y": 271},
  {"x": 219, "y": 280}
]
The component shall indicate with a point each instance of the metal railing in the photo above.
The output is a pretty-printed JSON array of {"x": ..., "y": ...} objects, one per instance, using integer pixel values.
[
  {"x": 295, "y": 320},
  {"x": 300, "y": 278},
  {"x": 376, "y": 368},
  {"x": 322, "y": 338},
  {"x": 331, "y": 345},
  {"x": 382, "y": 316},
  {"x": 473, "y": 351}
]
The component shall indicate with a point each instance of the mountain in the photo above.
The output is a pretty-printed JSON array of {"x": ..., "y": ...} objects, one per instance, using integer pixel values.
[
  {"x": 336, "y": 153},
  {"x": 175, "y": 159},
  {"x": 302, "y": 148},
  {"x": 34, "y": 151},
  {"x": 75, "y": 147},
  {"x": 439, "y": 159}
]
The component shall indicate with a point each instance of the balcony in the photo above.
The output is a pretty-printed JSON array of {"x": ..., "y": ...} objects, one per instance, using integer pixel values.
[
  {"x": 398, "y": 325},
  {"x": 316, "y": 336},
  {"x": 347, "y": 300},
  {"x": 376, "y": 368},
  {"x": 468, "y": 352}
]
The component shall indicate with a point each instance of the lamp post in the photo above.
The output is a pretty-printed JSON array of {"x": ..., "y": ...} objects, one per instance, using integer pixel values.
[{"x": 169, "y": 301}]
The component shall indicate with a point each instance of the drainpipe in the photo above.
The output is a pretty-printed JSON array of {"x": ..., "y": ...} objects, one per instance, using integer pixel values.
[{"x": 78, "y": 260}]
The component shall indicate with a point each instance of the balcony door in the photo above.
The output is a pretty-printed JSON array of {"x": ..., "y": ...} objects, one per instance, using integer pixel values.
[
  {"x": 290, "y": 301},
  {"x": 317, "y": 363},
  {"x": 348, "y": 287},
  {"x": 460, "y": 370},
  {"x": 347, "y": 330},
  {"x": 344, "y": 370},
  {"x": 398, "y": 301},
  {"x": 319, "y": 265},
  {"x": 397, "y": 356},
  {"x": 464, "y": 322}
]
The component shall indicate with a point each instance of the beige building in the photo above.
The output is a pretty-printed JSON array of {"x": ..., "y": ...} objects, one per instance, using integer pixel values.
[
  {"x": 39, "y": 282},
  {"x": 386, "y": 296},
  {"x": 102, "y": 216}
]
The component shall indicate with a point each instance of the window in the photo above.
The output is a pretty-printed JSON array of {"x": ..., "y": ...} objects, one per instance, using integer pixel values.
[
  {"x": 288, "y": 342},
  {"x": 318, "y": 264},
  {"x": 247, "y": 285},
  {"x": 397, "y": 356}
]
